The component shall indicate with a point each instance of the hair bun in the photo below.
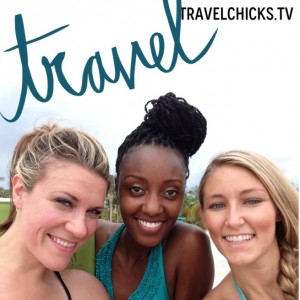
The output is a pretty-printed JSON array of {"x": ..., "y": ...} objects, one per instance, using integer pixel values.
[{"x": 178, "y": 121}]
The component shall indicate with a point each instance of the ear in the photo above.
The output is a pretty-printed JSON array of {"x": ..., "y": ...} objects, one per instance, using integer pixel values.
[
  {"x": 202, "y": 216},
  {"x": 17, "y": 191}
]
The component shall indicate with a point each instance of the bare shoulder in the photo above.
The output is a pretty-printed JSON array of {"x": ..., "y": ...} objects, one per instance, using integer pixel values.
[
  {"x": 189, "y": 241},
  {"x": 104, "y": 231},
  {"x": 188, "y": 261},
  {"x": 223, "y": 291},
  {"x": 188, "y": 235},
  {"x": 83, "y": 285},
  {"x": 213, "y": 295}
]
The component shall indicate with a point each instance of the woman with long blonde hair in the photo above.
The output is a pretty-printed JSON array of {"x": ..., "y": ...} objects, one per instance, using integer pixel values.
[{"x": 251, "y": 212}]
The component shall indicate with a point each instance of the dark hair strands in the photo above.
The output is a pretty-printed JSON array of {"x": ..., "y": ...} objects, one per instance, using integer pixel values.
[{"x": 171, "y": 122}]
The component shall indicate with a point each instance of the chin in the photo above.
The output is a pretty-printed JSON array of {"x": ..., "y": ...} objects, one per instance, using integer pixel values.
[
  {"x": 239, "y": 261},
  {"x": 58, "y": 266}
]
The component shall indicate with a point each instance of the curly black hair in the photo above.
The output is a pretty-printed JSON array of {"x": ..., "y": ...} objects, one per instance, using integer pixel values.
[{"x": 171, "y": 123}]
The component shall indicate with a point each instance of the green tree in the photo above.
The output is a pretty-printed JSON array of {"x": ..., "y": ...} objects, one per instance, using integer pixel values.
[
  {"x": 191, "y": 207},
  {"x": 191, "y": 196},
  {"x": 4, "y": 193},
  {"x": 112, "y": 209}
]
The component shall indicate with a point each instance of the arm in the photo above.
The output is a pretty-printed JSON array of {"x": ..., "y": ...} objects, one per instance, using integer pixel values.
[{"x": 194, "y": 267}]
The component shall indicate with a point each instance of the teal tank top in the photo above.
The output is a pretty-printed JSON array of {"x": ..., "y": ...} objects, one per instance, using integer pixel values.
[
  {"x": 153, "y": 285},
  {"x": 239, "y": 290}
]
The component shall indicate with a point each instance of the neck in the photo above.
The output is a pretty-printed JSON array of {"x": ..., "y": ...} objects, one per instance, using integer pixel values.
[
  {"x": 259, "y": 279},
  {"x": 131, "y": 249}
]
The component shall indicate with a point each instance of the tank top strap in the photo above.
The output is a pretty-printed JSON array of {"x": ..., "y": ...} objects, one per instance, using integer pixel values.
[
  {"x": 239, "y": 290},
  {"x": 63, "y": 284}
]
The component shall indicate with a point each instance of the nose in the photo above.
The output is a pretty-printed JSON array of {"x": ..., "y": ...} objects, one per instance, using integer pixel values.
[
  {"x": 77, "y": 226},
  {"x": 152, "y": 205},
  {"x": 234, "y": 217}
]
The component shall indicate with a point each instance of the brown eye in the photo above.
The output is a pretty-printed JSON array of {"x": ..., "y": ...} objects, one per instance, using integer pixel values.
[
  {"x": 136, "y": 190},
  {"x": 170, "y": 193}
]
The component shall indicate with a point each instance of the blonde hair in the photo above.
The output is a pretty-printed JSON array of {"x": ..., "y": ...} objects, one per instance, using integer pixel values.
[
  {"x": 284, "y": 196},
  {"x": 48, "y": 143}
]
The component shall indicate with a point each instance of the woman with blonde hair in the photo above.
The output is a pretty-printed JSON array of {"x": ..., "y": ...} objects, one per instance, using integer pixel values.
[
  {"x": 59, "y": 178},
  {"x": 251, "y": 212}
]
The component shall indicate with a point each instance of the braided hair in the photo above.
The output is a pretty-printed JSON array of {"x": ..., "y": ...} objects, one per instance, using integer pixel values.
[
  {"x": 285, "y": 198},
  {"x": 171, "y": 123}
]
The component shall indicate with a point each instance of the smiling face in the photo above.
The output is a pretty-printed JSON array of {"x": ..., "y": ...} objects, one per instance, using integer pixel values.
[
  {"x": 151, "y": 188},
  {"x": 239, "y": 215},
  {"x": 58, "y": 215}
]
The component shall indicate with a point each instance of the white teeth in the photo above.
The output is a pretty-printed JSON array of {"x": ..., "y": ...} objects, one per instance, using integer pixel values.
[
  {"x": 63, "y": 243},
  {"x": 239, "y": 238},
  {"x": 150, "y": 224}
]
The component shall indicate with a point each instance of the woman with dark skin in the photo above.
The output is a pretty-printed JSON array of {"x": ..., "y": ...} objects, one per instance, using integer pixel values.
[{"x": 152, "y": 255}]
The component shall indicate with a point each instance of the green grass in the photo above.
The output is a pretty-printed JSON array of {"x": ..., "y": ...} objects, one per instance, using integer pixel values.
[{"x": 4, "y": 209}]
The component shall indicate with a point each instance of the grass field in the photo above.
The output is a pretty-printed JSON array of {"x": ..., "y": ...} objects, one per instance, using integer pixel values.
[{"x": 4, "y": 208}]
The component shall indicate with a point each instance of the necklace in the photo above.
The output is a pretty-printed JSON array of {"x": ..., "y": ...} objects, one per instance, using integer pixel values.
[{"x": 150, "y": 281}]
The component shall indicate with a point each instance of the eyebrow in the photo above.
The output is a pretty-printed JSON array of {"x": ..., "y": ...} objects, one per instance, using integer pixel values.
[
  {"x": 142, "y": 178},
  {"x": 217, "y": 195},
  {"x": 76, "y": 200},
  {"x": 254, "y": 190},
  {"x": 250, "y": 190},
  {"x": 66, "y": 193},
  {"x": 133, "y": 176}
]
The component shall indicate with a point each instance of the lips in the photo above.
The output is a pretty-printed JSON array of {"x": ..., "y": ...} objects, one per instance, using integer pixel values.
[
  {"x": 239, "y": 238},
  {"x": 63, "y": 243}
]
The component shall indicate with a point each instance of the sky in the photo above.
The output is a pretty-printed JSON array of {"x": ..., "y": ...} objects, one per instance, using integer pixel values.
[{"x": 246, "y": 84}]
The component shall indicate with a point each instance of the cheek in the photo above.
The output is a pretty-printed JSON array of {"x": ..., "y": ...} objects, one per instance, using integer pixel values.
[
  {"x": 36, "y": 223},
  {"x": 263, "y": 217},
  {"x": 213, "y": 222},
  {"x": 33, "y": 213},
  {"x": 124, "y": 199},
  {"x": 266, "y": 223},
  {"x": 44, "y": 220},
  {"x": 128, "y": 205},
  {"x": 173, "y": 209}
]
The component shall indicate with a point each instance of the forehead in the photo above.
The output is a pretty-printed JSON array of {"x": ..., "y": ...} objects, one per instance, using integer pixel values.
[
  {"x": 67, "y": 170},
  {"x": 66, "y": 174},
  {"x": 234, "y": 177},
  {"x": 152, "y": 157}
]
